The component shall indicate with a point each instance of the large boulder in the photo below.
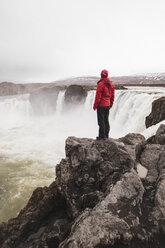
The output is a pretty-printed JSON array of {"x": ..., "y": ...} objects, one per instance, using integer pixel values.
[
  {"x": 75, "y": 95},
  {"x": 160, "y": 135},
  {"x": 89, "y": 169},
  {"x": 153, "y": 158},
  {"x": 134, "y": 143},
  {"x": 158, "y": 112},
  {"x": 113, "y": 218}
]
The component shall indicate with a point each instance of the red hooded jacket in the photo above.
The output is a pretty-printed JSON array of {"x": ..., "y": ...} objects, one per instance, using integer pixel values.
[{"x": 105, "y": 92}]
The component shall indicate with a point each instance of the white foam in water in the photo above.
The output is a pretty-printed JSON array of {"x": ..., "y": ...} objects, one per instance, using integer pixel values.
[
  {"x": 152, "y": 130},
  {"x": 129, "y": 112},
  {"x": 31, "y": 146}
]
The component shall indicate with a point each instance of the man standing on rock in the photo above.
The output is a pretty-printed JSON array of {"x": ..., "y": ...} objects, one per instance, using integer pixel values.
[{"x": 103, "y": 102}]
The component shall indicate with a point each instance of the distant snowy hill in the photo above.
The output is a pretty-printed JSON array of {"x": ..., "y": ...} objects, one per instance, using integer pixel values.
[{"x": 144, "y": 79}]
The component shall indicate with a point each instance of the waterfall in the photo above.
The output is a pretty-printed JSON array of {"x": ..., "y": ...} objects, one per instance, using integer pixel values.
[
  {"x": 129, "y": 110},
  {"x": 60, "y": 101},
  {"x": 127, "y": 114},
  {"x": 89, "y": 100},
  {"x": 14, "y": 110},
  {"x": 15, "y": 105},
  {"x": 31, "y": 145}
]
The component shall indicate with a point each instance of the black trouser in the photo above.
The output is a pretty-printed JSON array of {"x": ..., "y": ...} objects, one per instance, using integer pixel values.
[{"x": 103, "y": 121}]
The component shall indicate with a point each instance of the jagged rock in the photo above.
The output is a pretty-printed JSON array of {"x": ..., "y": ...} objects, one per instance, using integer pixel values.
[
  {"x": 111, "y": 219},
  {"x": 160, "y": 135},
  {"x": 151, "y": 140},
  {"x": 158, "y": 213},
  {"x": 153, "y": 155},
  {"x": 42, "y": 220},
  {"x": 97, "y": 200},
  {"x": 158, "y": 112},
  {"x": 75, "y": 94},
  {"x": 150, "y": 158},
  {"x": 153, "y": 158},
  {"x": 134, "y": 143},
  {"x": 90, "y": 166}
]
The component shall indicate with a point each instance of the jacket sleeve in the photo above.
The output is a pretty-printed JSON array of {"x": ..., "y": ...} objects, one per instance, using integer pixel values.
[
  {"x": 112, "y": 95},
  {"x": 99, "y": 92}
]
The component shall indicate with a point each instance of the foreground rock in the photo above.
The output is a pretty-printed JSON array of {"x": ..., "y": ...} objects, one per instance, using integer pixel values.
[
  {"x": 158, "y": 112},
  {"x": 117, "y": 215},
  {"x": 98, "y": 199}
]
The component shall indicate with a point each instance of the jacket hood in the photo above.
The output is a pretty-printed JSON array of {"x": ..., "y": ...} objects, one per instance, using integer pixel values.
[{"x": 104, "y": 74}]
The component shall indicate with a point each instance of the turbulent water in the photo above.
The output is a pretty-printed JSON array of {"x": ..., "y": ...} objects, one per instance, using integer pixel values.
[{"x": 31, "y": 146}]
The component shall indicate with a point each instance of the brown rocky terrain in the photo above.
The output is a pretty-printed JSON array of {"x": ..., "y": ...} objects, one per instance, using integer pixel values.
[
  {"x": 97, "y": 199},
  {"x": 158, "y": 112},
  {"x": 7, "y": 88}
]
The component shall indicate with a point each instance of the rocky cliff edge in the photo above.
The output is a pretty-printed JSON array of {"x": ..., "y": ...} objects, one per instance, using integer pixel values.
[{"x": 106, "y": 194}]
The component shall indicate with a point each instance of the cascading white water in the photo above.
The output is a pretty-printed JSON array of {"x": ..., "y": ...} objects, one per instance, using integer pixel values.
[
  {"x": 31, "y": 146},
  {"x": 89, "y": 101},
  {"x": 15, "y": 105},
  {"x": 60, "y": 102},
  {"x": 130, "y": 111},
  {"x": 14, "y": 110}
]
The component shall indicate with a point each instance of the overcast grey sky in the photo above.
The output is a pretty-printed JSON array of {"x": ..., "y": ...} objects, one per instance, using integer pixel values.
[{"x": 46, "y": 40}]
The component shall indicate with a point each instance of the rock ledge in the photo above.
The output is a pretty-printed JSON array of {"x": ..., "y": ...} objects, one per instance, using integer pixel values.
[{"x": 98, "y": 199}]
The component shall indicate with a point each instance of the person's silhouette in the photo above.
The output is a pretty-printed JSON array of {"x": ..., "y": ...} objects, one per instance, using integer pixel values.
[{"x": 103, "y": 102}]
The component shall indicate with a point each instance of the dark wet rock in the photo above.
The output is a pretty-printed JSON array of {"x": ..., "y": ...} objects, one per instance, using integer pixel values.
[
  {"x": 115, "y": 216},
  {"x": 98, "y": 199},
  {"x": 153, "y": 158},
  {"x": 150, "y": 159},
  {"x": 160, "y": 135},
  {"x": 134, "y": 143},
  {"x": 75, "y": 94},
  {"x": 158, "y": 213},
  {"x": 90, "y": 166},
  {"x": 153, "y": 155},
  {"x": 158, "y": 112},
  {"x": 151, "y": 140},
  {"x": 44, "y": 214}
]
